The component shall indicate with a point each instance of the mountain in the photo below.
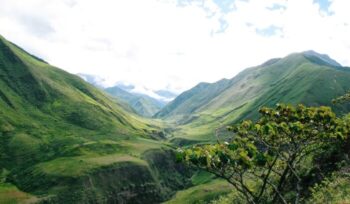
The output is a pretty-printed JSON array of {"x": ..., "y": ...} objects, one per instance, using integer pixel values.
[
  {"x": 166, "y": 94},
  {"x": 309, "y": 78},
  {"x": 125, "y": 87},
  {"x": 189, "y": 101},
  {"x": 142, "y": 104},
  {"x": 323, "y": 58},
  {"x": 92, "y": 79},
  {"x": 64, "y": 141},
  {"x": 163, "y": 96}
]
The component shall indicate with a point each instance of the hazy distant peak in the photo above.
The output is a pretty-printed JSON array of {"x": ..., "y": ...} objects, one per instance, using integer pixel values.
[
  {"x": 312, "y": 55},
  {"x": 166, "y": 93},
  {"x": 125, "y": 86}
]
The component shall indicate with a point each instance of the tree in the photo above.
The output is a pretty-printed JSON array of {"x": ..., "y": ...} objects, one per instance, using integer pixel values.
[
  {"x": 266, "y": 159},
  {"x": 342, "y": 99}
]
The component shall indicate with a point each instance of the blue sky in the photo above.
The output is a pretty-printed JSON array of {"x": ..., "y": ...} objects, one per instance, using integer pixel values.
[
  {"x": 173, "y": 44},
  {"x": 225, "y": 5},
  {"x": 228, "y": 5},
  {"x": 324, "y": 4}
]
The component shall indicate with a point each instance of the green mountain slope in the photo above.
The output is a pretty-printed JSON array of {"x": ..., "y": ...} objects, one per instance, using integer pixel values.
[
  {"x": 142, "y": 104},
  {"x": 64, "y": 141},
  {"x": 40, "y": 90},
  {"x": 189, "y": 101},
  {"x": 308, "y": 78}
]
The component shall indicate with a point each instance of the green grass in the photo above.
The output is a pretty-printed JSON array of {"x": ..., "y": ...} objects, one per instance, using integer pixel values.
[
  {"x": 80, "y": 166},
  {"x": 202, "y": 193},
  {"x": 232, "y": 197},
  {"x": 93, "y": 157},
  {"x": 9, "y": 194},
  {"x": 202, "y": 177}
]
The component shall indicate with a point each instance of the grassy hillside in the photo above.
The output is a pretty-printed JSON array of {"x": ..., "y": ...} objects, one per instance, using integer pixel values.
[
  {"x": 308, "y": 78},
  {"x": 142, "y": 104},
  {"x": 201, "y": 193},
  {"x": 189, "y": 101},
  {"x": 206, "y": 188},
  {"x": 11, "y": 194},
  {"x": 64, "y": 141}
]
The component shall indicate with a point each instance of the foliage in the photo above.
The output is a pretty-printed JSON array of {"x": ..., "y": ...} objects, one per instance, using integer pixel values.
[
  {"x": 342, "y": 99},
  {"x": 264, "y": 156},
  {"x": 335, "y": 189}
]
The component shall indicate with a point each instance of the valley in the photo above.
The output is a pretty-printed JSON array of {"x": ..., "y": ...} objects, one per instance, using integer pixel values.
[
  {"x": 203, "y": 112},
  {"x": 62, "y": 140}
]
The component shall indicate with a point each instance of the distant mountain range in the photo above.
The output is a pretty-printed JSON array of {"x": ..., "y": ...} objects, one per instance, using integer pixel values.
[
  {"x": 143, "y": 104},
  {"x": 308, "y": 77}
]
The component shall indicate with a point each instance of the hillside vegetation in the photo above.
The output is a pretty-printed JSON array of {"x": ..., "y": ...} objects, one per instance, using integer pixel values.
[
  {"x": 63, "y": 140},
  {"x": 308, "y": 78}
]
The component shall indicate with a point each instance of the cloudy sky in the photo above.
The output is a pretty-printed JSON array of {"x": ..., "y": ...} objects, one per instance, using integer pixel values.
[{"x": 174, "y": 44}]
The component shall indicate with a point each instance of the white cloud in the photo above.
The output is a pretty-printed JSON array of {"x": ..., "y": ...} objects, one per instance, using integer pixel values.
[{"x": 158, "y": 44}]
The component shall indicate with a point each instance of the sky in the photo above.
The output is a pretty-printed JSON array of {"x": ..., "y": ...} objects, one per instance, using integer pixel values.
[{"x": 173, "y": 44}]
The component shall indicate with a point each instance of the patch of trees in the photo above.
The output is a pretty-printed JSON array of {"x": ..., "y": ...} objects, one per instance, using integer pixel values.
[{"x": 266, "y": 160}]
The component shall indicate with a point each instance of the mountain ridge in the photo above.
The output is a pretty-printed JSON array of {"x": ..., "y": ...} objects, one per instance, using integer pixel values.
[
  {"x": 324, "y": 57},
  {"x": 161, "y": 95},
  {"x": 144, "y": 105},
  {"x": 292, "y": 79},
  {"x": 63, "y": 140}
]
